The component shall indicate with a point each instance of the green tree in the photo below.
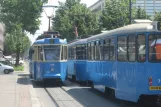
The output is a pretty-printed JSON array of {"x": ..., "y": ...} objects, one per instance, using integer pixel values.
[
  {"x": 157, "y": 16},
  {"x": 73, "y": 14},
  {"x": 140, "y": 13},
  {"x": 115, "y": 14},
  {"x": 21, "y": 16},
  {"x": 12, "y": 41}
]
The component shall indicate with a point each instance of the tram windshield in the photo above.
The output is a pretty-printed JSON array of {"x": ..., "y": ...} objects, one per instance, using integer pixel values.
[{"x": 52, "y": 52}]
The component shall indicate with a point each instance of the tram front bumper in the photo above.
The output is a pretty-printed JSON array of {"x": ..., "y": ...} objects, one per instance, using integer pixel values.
[{"x": 52, "y": 76}]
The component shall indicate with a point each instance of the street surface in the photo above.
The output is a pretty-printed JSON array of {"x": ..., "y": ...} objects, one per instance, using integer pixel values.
[
  {"x": 74, "y": 95},
  {"x": 17, "y": 90}
]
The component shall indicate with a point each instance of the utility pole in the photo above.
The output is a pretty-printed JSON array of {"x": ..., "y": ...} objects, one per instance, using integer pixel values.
[
  {"x": 49, "y": 23},
  {"x": 130, "y": 16}
]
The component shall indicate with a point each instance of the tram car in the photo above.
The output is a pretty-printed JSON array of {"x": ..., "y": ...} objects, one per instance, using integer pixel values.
[
  {"x": 48, "y": 59},
  {"x": 76, "y": 69},
  {"x": 125, "y": 62}
]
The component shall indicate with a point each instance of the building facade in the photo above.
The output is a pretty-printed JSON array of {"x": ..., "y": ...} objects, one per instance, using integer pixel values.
[
  {"x": 150, "y": 6},
  {"x": 98, "y": 6},
  {"x": 1, "y": 39}
]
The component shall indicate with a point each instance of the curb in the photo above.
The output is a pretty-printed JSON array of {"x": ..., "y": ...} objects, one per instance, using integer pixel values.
[
  {"x": 35, "y": 102},
  {"x": 34, "y": 98}
]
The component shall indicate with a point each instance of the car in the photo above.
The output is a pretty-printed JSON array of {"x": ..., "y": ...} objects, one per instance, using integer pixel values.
[
  {"x": 5, "y": 62},
  {"x": 6, "y": 69},
  {"x": 21, "y": 62}
]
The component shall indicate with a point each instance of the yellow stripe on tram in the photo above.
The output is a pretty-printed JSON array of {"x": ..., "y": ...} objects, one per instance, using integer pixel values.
[{"x": 155, "y": 87}]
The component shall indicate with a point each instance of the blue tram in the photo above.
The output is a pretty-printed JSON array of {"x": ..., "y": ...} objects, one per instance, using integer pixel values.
[
  {"x": 126, "y": 61},
  {"x": 77, "y": 60},
  {"x": 48, "y": 59}
]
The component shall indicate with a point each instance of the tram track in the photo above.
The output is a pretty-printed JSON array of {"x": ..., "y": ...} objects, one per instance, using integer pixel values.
[
  {"x": 64, "y": 96},
  {"x": 51, "y": 97}
]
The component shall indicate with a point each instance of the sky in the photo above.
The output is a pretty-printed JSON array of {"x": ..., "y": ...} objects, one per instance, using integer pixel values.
[{"x": 44, "y": 20}]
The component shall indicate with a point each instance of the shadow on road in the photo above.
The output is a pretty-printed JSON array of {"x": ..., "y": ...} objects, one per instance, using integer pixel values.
[
  {"x": 94, "y": 98},
  {"x": 23, "y": 79}
]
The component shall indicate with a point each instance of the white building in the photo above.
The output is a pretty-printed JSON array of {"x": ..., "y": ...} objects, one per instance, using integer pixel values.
[
  {"x": 150, "y": 6},
  {"x": 98, "y": 6}
]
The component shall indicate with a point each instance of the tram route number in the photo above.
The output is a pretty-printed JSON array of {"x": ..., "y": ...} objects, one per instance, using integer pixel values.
[{"x": 155, "y": 87}]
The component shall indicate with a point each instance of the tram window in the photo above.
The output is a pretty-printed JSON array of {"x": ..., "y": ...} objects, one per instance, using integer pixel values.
[
  {"x": 92, "y": 50},
  {"x": 79, "y": 52},
  {"x": 141, "y": 48},
  {"x": 65, "y": 52},
  {"x": 122, "y": 48},
  {"x": 74, "y": 52},
  {"x": 106, "y": 49},
  {"x": 154, "y": 47},
  {"x": 112, "y": 49},
  {"x": 35, "y": 53},
  {"x": 83, "y": 51},
  {"x": 69, "y": 53},
  {"x": 131, "y": 48},
  {"x": 101, "y": 49},
  {"x": 40, "y": 53},
  {"x": 89, "y": 51},
  {"x": 62, "y": 53},
  {"x": 97, "y": 55},
  {"x": 52, "y": 52}
]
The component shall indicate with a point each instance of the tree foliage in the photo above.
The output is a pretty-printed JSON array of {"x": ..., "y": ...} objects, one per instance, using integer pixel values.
[
  {"x": 115, "y": 14},
  {"x": 25, "y": 12},
  {"x": 20, "y": 16},
  {"x": 14, "y": 40},
  {"x": 140, "y": 13},
  {"x": 71, "y": 14},
  {"x": 157, "y": 16}
]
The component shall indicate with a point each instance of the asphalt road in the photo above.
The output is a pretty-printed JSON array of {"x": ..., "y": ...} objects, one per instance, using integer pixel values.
[{"x": 74, "y": 95}]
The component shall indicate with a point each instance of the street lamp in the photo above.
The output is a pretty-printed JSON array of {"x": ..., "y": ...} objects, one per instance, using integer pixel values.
[{"x": 49, "y": 15}]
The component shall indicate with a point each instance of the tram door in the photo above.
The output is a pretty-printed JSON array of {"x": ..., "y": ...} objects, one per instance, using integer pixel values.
[{"x": 126, "y": 68}]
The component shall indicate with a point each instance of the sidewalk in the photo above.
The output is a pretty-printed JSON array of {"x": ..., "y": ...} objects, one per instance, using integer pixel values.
[{"x": 16, "y": 90}]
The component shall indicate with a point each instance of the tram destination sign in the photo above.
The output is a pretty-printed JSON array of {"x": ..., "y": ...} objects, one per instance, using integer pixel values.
[
  {"x": 51, "y": 33},
  {"x": 159, "y": 25}
]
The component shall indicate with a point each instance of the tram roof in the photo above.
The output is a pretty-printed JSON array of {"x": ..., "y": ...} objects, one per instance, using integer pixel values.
[
  {"x": 133, "y": 28},
  {"x": 81, "y": 41},
  {"x": 47, "y": 41}
]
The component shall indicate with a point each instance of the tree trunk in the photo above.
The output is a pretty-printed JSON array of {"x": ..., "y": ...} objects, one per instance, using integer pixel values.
[{"x": 17, "y": 55}]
